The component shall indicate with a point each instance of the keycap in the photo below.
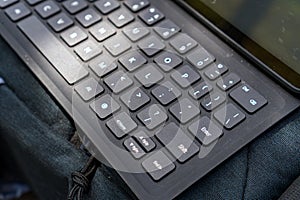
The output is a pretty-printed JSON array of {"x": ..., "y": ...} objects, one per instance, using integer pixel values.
[
  {"x": 215, "y": 71},
  {"x": 103, "y": 65},
  {"x": 151, "y": 16},
  {"x": 73, "y": 36},
  {"x": 88, "y": 50},
  {"x": 177, "y": 142},
  {"x": 107, "y": 6},
  {"x": 168, "y": 61},
  {"x": 6, "y": 3},
  {"x": 88, "y": 89},
  {"x": 136, "y": 5},
  {"x": 200, "y": 90},
  {"x": 117, "y": 45},
  {"x": 248, "y": 98},
  {"x": 118, "y": 81},
  {"x": 17, "y": 11},
  {"x": 185, "y": 76},
  {"x": 158, "y": 165},
  {"x": 132, "y": 60},
  {"x": 227, "y": 82},
  {"x": 105, "y": 106},
  {"x": 121, "y": 124},
  {"x": 121, "y": 18},
  {"x": 200, "y": 58},
  {"x": 135, "y": 31},
  {"x": 33, "y": 2},
  {"x": 166, "y": 93},
  {"x": 134, "y": 148},
  {"x": 101, "y": 31},
  {"x": 74, "y": 6},
  {"x": 151, "y": 45},
  {"x": 135, "y": 98},
  {"x": 145, "y": 141},
  {"x": 166, "y": 29},
  {"x": 229, "y": 116},
  {"x": 152, "y": 117},
  {"x": 183, "y": 43},
  {"x": 148, "y": 76},
  {"x": 205, "y": 130},
  {"x": 60, "y": 58},
  {"x": 184, "y": 110},
  {"x": 47, "y": 9},
  {"x": 60, "y": 22},
  {"x": 88, "y": 17},
  {"x": 212, "y": 101}
]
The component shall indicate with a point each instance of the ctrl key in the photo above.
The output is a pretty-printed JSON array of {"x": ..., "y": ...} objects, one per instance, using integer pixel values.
[{"x": 158, "y": 165}]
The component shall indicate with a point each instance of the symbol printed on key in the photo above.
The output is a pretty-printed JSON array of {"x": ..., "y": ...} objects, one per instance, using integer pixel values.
[
  {"x": 107, "y": 4},
  {"x": 132, "y": 60},
  {"x": 47, "y": 8},
  {"x": 74, "y": 3},
  {"x": 185, "y": 75},
  {"x": 17, "y": 11},
  {"x": 88, "y": 17},
  {"x": 104, "y": 106},
  {"x": 246, "y": 89},
  {"x": 73, "y": 35},
  {"x": 253, "y": 102},
  {"x": 168, "y": 60}
]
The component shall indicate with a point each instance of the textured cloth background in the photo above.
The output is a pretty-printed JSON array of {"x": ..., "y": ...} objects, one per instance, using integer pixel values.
[{"x": 37, "y": 132}]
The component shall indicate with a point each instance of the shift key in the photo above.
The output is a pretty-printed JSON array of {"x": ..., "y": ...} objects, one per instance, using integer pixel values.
[{"x": 61, "y": 59}]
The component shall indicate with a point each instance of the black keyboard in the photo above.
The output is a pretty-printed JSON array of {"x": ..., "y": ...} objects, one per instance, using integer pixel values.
[{"x": 162, "y": 102}]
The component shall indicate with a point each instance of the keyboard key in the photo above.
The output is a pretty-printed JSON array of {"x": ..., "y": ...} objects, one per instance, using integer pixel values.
[
  {"x": 89, "y": 89},
  {"x": 135, "y": 98},
  {"x": 183, "y": 43},
  {"x": 107, "y": 6},
  {"x": 166, "y": 29},
  {"x": 88, "y": 17},
  {"x": 184, "y": 110},
  {"x": 151, "y": 16},
  {"x": 177, "y": 142},
  {"x": 6, "y": 3},
  {"x": 103, "y": 30},
  {"x": 151, "y": 46},
  {"x": 105, "y": 106},
  {"x": 60, "y": 22},
  {"x": 168, "y": 61},
  {"x": 227, "y": 82},
  {"x": 158, "y": 165},
  {"x": 215, "y": 71},
  {"x": 47, "y": 9},
  {"x": 121, "y": 18},
  {"x": 88, "y": 50},
  {"x": 136, "y": 31},
  {"x": 145, "y": 141},
  {"x": 73, "y": 36},
  {"x": 17, "y": 11},
  {"x": 103, "y": 65},
  {"x": 60, "y": 58},
  {"x": 200, "y": 90},
  {"x": 213, "y": 101},
  {"x": 166, "y": 93},
  {"x": 152, "y": 116},
  {"x": 74, "y": 6},
  {"x": 229, "y": 116},
  {"x": 118, "y": 82},
  {"x": 117, "y": 45},
  {"x": 136, "y": 5},
  {"x": 148, "y": 76},
  {"x": 185, "y": 76},
  {"x": 132, "y": 60},
  {"x": 205, "y": 130},
  {"x": 121, "y": 125},
  {"x": 200, "y": 58},
  {"x": 33, "y": 2},
  {"x": 248, "y": 98},
  {"x": 134, "y": 148}
]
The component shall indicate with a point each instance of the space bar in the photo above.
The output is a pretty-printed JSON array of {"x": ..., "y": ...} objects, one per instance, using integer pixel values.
[{"x": 63, "y": 61}]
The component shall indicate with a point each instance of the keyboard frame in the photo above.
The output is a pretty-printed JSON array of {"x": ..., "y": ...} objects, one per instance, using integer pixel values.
[{"x": 280, "y": 104}]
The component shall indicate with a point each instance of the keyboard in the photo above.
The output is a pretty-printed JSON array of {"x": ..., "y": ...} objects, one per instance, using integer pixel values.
[{"x": 145, "y": 92}]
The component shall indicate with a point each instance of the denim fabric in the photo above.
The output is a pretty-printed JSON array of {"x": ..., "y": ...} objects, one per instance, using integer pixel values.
[{"x": 38, "y": 134}]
